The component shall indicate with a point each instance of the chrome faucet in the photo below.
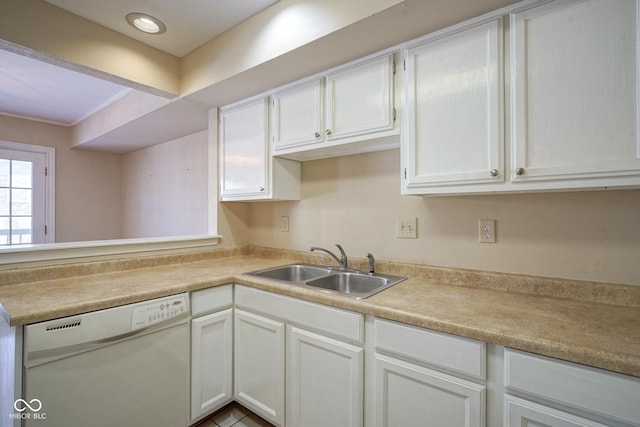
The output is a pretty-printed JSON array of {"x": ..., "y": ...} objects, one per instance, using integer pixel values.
[{"x": 343, "y": 257}]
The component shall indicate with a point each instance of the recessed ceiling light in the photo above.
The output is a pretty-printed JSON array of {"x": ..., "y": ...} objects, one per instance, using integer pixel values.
[{"x": 146, "y": 23}]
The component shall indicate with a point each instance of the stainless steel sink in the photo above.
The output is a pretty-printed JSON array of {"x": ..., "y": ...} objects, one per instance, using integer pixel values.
[
  {"x": 292, "y": 273},
  {"x": 351, "y": 283}
]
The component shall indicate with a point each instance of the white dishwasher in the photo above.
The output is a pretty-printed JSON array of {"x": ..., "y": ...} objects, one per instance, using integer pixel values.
[{"x": 124, "y": 366}]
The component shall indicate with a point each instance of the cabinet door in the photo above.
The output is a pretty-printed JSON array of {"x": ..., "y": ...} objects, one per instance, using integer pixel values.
[
  {"x": 575, "y": 91},
  {"x": 259, "y": 365},
  {"x": 244, "y": 150},
  {"x": 359, "y": 99},
  {"x": 297, "y": 116},
  {"x": 324, "y": 381},
  {"x": 454, "y": 109},
  {"x": 408, "y": 395},
  {"x": 521, "y": 413},
  {"x": 211, "y": 362}
]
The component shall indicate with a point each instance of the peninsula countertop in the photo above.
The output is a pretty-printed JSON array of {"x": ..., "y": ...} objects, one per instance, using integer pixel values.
[{"x": 600, "y": 334}]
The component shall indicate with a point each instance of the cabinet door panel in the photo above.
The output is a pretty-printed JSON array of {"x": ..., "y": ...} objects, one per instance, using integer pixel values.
[
  {"x": 297, "y": 116},
  {"x": 244, "y": 153},
  {"x": 454, "y": 109},
  {"x": 259, "y": 365},
  {"x": 575, "y": 91},
  {"x": 211, "y": 362},
  {"x": 412, "y": 396},
  {"x": 324, "y": 381},
  {"x": 360, "y": 99}
]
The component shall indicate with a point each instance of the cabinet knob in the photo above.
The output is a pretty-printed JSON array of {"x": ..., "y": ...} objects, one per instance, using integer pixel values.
[
  {"x": 317, "y": 134},
  {"x": 261, "y": 189},
  {"x": 494, "y": 172},
  {"x": 327, "y": 132},
  {"x": 520, "y": 171}
]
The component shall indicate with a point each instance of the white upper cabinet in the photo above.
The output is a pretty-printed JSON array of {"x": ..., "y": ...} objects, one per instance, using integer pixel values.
[
  {"x": 570, "y": 119},
  {"x": 453, "y": 132},
  {"x": 574, "y": 75},
  {"x": 246, "y": 169},
  {"x": 297, "y": 115},
  {"x": 360, "y": 99},
  {"x": 345, "y": 111}
]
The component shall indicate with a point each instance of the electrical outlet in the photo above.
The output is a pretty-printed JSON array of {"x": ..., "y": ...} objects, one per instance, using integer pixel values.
[
  {"x": 487, "y": 231},
  {"x": 406, "y": 228},
  {"x": 284, "y": 224}
]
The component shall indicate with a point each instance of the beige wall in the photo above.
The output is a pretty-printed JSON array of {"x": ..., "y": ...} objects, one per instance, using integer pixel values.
[
  {"x": 87, "y": 182},
  {"x": 354, "y": 201},
  {"x": 164, "y": 189}
]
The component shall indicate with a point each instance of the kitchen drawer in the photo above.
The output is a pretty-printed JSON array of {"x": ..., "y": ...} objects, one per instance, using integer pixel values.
[
  {"x": 457, "y": 354},
  {"x": 341, "y": 324},
  {"x": 211, "y": 299},
  {"x": 593, "y": 390},
  {"x": 522, "y": 413}
]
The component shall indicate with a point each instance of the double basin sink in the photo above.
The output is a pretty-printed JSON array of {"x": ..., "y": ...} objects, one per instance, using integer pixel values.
[{"x": 350, "y": 283}]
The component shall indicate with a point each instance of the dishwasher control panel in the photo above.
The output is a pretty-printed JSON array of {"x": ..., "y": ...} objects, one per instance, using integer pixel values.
[{"x": 158, "y": 311}]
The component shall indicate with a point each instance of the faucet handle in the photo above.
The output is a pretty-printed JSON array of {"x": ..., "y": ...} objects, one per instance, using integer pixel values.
[
  {"x": 372, "y": 270},
  {"x": 343, "y": 257}
]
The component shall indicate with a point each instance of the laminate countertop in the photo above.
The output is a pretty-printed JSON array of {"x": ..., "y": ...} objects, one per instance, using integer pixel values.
[{"x": 600, "y": 327}]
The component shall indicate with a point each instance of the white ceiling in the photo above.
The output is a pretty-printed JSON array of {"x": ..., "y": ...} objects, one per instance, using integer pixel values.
[
  {"x": 39, "y": 90},
  {"x": 35, "y": 89},
  {"x": 189, "y": 23}
]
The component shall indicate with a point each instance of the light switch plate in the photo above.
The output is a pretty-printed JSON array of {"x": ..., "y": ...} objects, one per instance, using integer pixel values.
[
  {"x": 284, "y": 224},
  {"x": 407, "y": 228}
]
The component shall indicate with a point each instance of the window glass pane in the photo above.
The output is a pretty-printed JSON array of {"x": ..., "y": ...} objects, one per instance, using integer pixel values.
[
  {"x": 21, "y": 174},
  {"x": 4, "y": 230},
  {"x": 4, "y": 201},
  {"x": 20, "y": 202},
  {"x": 20, "y": 230},
  {"x": 4, "y": 172}
]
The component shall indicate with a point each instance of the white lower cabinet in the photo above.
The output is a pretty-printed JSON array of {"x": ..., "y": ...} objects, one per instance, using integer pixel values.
[
  {"x": 259, "y": 365},
  {"x": 568, "y": 394},
  {"x": 410, "y": 395},
  {"x": 324, "y": 360},
  {"x": 211, "y": 350},
  {"x": 424, "y": 378},
  {"x": 324, "y": 381}
]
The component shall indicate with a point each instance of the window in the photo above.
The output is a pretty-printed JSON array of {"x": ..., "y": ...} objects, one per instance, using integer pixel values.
[{"x": 26, "y": 186}]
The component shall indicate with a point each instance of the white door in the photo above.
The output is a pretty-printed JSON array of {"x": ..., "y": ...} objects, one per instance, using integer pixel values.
[
  {"x": 324, "y": 381},
  {"x": 244, "y": 149},
  {"x": 359, "y": 99},
  {"x": 259, "y": 365},
  {"x": 574, "y": 77},
  {"x": 297, "y": 116},
  {"x": 211, "y": 362},
  {"x": 454, "y": 109},
  {"x": 408, "y": 395},
  {"x": 522, "y": 413},
  {"x": 22, "y": 197}
]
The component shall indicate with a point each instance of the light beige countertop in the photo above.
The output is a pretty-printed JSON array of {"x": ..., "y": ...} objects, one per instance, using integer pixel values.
[{"x": 589, "y": 323}]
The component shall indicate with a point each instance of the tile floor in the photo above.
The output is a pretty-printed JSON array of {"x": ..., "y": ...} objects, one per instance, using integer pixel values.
[{"x": 234, "y": 415}]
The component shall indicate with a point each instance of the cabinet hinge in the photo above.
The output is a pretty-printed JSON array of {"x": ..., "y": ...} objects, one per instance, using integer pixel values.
[
  {"x": 46, "y": 171},
  {"x": 46, "y": 230},
  {"x": 394, "y": 114},
  {"x": 404, "y": 64},
  {"x": 394, "y": 67},
  {"x": 405, "y": 173}
]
